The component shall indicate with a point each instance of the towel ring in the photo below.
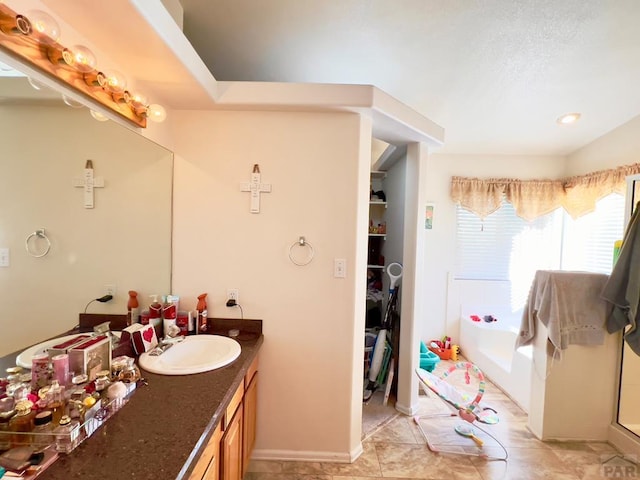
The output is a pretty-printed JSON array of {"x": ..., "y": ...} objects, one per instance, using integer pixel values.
[
  {"x": 302, "y": 242},
  {"x": 37, "y": 234}
]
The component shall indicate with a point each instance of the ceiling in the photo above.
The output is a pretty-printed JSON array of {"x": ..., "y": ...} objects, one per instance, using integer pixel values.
[{"x": 495, "y": 74}]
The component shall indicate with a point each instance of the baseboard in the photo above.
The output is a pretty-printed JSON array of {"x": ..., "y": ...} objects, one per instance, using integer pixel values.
[
  {"x": 307, "y": 456},
  {"x": 410, "y": 410},
  {"x": 624, "y": 440}
]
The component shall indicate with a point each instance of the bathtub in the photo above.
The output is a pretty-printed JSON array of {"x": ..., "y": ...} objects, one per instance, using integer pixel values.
[{"x": 491, "y": 346}]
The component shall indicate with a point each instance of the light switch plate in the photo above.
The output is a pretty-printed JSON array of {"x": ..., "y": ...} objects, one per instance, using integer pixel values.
[
  {"x": 340, "y": 268},
  {"x": 4, "y": 257}
]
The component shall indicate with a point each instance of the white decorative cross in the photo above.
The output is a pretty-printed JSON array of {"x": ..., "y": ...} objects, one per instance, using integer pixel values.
[
  {"x": 256, "y": 188},
  {"x": 88, "y": 182}
]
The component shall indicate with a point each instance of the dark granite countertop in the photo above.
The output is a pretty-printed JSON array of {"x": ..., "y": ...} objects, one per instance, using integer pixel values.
[{"x": 161, "y": 431}]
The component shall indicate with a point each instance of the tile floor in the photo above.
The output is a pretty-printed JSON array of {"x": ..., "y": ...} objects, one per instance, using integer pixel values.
[{"x": 398, "y": 450}]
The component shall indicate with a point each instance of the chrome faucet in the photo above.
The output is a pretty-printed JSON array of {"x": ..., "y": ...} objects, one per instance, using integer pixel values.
[{"x": 164, "y": 345}]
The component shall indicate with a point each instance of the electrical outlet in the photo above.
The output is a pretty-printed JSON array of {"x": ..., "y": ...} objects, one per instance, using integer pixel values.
[
  {"x": 233, "y": 294},
  {"x": 110, "y": 290}
]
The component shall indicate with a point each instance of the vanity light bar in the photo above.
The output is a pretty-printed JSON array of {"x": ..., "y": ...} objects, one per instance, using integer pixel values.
[{"x": 34, "y": 37}]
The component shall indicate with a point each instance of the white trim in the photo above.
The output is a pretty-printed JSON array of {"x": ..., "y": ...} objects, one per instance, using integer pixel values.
[
  {"x": 410, "y": 410},
  {"x": 623, "y": 440},
  {"x": 307, "y": 456}
]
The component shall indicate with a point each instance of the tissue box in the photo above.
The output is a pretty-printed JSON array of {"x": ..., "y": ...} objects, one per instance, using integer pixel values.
[
  {"x": 81, "y": 354},
  {"x": 143, "y": 337},
  {"x": 64, "y": 347}
]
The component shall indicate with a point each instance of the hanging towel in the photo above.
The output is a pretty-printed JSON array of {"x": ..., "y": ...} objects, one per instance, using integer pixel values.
[
  {"x": 623, "y": 288},
  {"x": 569, "y": 305}
]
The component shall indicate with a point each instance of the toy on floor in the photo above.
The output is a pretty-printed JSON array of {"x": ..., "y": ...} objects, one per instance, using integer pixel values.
[{"x": 428, "y": 359}]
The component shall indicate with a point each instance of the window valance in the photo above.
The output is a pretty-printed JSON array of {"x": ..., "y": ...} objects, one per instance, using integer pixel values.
[{"x": 533, "y": 198}]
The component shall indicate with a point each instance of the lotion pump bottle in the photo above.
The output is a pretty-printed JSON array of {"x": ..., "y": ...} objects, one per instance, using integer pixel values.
[{"x": 155, "y": 311}]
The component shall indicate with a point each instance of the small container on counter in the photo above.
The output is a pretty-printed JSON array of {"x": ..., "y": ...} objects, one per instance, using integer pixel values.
[
  {"x": 182, "y": 321},
  {"x": 66, "y": 434},
  {"x": 43, "y": 429},
  {"x": 61, "y": 368},
  {"x": 131, "y": 373},
  {"x": 201, "y": 323},
  {"x": 118, "y": 364},
  {"x": 39, "y": 371},
  {"x": 133, "y": 311},
  {"x": 5, "y": 431},
  {"x": 21, "y": 424},
  {"x": 102, "y": 382}
]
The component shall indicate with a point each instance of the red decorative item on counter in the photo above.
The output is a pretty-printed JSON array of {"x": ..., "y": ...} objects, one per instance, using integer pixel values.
[
  {"x": 202, "y": 326},
  {"x": 132, "y": 307},
  {"x": 155, "y": 309}
]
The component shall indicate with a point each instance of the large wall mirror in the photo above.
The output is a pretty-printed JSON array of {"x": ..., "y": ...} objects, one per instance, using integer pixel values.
[{"x": 124, "y": 241}]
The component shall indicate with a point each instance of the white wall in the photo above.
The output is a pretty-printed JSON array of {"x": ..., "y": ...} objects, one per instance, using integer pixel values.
[
  {"x": 311, "y": 361},
  {"x": 438, "y": 319},
  {"x": 618, "y": 147}
]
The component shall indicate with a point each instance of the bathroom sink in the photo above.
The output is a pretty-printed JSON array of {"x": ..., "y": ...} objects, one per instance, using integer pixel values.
[
  {"x": 195, "y": 354},
  {"x": 24, "y": 358}
]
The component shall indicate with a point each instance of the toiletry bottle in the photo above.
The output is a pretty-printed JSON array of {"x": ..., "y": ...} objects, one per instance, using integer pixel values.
[
  {"x": 55, "y": 401},
  {"x": 94, "y": 365},
  {"x": 132, "y": 308},
  {"x": 61, "y": 368},
  {"x": 22, "y": 424},
  {"x": 155, "y": 311},
  {"x": 192, "y": 320},
  {"x": 169, "y": 314},
  {"x": 202, "y": 314},
  {"x": 5, "y": 436},
  {"x": 39, "y": 370},
  {"x": 66, "y": 434},
  {"x": 131, "y": 373},
  {"x": 42, "y": 430},
  {"x": 102, "y": 383},
  {"x": 182, "y": 321}
]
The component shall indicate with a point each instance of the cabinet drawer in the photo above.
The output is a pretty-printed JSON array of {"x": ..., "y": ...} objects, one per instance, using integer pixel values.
[
  {"x": 251, "y": 371},
  {"x": 233, "y": 405}
]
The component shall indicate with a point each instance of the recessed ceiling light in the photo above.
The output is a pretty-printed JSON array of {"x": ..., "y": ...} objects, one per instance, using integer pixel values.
[{"x": 568, "y": 118}]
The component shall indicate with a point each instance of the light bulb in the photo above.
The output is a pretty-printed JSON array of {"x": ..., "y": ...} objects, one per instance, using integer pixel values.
[
  {"x": 568, "y": 118},
  {"x": 80, "y": 58},
  {"x": 115, "y": 81},
  {"x": 99, "y": 116},
  {"x": 156, "y": 113},
  {"x": 71, "y": 102},
  {"x": 137, "y": 99},
  {"x": 36, "y": 84},
  {"x": 44, "y": 26}
]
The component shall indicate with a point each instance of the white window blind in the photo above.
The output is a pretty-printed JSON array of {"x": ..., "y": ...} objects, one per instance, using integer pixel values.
[
  {"x": 506, "y": 247},
  {"x": 588, "y": 240},
  {"x": 503, "y": 244}
]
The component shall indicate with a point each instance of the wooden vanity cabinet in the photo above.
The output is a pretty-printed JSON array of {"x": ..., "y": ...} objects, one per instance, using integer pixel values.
[
  {"x": 208, "y": 467},
  {"x": 231, "y": 447},
  {"x": 228, "y": 451},
  {"x": 249, "y": 424}
]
